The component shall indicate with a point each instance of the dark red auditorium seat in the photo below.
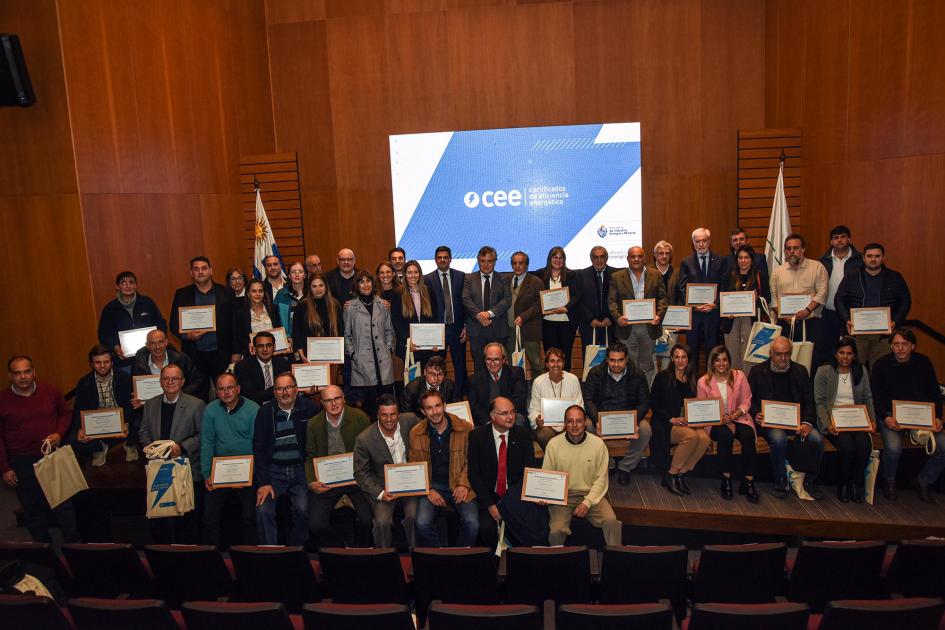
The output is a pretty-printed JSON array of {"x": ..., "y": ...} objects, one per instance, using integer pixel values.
[
  {"x": 778, "y": 616},
  {"x": 363, "y": 575},
  {"x": 453, "y": 575},
  {"x": 107, "y": 570},
  {"x": 185, "y": 573},
  {"x": 827, "y": 571},
  {"x": 656, "y": 616},
  {"x": 91, "y": 613},
  {"x": 760, "y": 567},
  {"x": 916, "y": 613},
  {"x": 275, "y": 574},
  {"x": 501, "y": 617},
  {"x": 325, "y": 616},
  {"x": 29, "y": 612},
  {"x": 635, "y": 575},
  {"x": 918, "y": 569},
  {"x": 235, "y": 616},
  {"x": 535, "y": 574}
]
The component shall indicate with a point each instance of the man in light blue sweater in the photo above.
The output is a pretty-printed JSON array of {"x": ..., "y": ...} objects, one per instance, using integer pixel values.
[{"x": 227, "y": 430}]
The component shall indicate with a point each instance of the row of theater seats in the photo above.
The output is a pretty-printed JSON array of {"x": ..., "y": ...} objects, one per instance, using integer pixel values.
[
  {"x": 819, "y": 573},
  {"x": 30, "y": 612}
]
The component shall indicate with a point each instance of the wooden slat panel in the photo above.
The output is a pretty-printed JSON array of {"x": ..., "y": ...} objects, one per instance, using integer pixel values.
[
  {"x": 250, "y": 197},
  {"x": 769, "y": 153},
  {"x": 288, "y": 204},
  {"x": 272, "y": 187},
  {"x": 768, "y": 162},
  {"x": 766, "y": 143},
  {"x": 759, "y": 152},
  {"x": 282, "y": 176},
  {"x": 752, "y": 173},
  {"x": 753, "y": 193},
  {"x": 278, "y": 177},
  {"x": 275, "y": 167},
  {"x": 768, "y": 182},
  {"x": 269, "y": 158},
  {"x": 786, "y": 132}
]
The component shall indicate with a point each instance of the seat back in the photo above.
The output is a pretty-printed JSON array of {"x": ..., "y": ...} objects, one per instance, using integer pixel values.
[
  {"x": 909, "y": 613},
  {"x": 658, "y": 616},
  {"x": 469, "y": 617},
  {"x": 916, "y": 569},
  {"x": 275, "y": 574},
  {"x": 534, "y": 574},
  {"x": 779, "y": 616},
  {"x": 453, "y": 575},
  {"x": 37, "y": 553},
  {"x": 186, "y": 573},
  {"x": 235, "y": 616},
  {"x": 635, "y": 575},
  {"x": 30, "y": 612},
  {"x": 324, "y": 616},
  {"x": 107, "y": 570},
  {"x": 761, "y": 564},
  {"x": 90, "y": 613},
  {"x": 826, "y": 571},
  {"x": 363, "y": 575}
]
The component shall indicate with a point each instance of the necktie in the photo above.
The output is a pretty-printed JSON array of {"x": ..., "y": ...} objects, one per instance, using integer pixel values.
[
  {"x": 704, "y": 272},
  {"x": 600, "y": 290},
  {"x": 487, "y": 294},
  {"x": 515, "y": 284},
  {"x": 267, "y": 375},
  {"x": 447, "y": 299},
  {"x": 500, "y": 482}
]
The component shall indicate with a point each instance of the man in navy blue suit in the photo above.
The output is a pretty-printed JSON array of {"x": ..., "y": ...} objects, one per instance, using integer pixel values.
[
  {"x": 450, "y": 303},
  {"x": 703, "y": 267},
  {"x": 737, "y": 238},
  {"x": 593, "y": 312}
]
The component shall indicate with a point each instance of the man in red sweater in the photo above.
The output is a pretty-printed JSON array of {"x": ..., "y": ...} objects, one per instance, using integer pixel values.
[{"x": 31, "y": 413}]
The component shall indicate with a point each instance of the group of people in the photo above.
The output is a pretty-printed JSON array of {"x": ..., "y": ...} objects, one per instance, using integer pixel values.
[{"x": 255, "y": 406}]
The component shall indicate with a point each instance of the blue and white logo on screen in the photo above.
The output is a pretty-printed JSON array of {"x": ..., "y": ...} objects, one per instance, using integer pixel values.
[{"x": 518, "y": 189}]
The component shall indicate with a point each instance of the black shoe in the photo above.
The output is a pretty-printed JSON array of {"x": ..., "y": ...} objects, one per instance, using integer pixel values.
[
  {"x": 843, "y": 492},
  {"x": 682, "y": 485},
  {"x": 750, "y": 493},
  {"x": 889, "y": 489},
  {"x": 743, "y": 487},
  {"x": 857, "y": 495},
  {"x": 726, "y": 488},
  {"x": 816, "y": 493},
  {"x": 780, "y": 489},
  {"x": 670, "y": 483},
  {"x": 923, "y": 490},
  {"x": 623, "y": 477}
]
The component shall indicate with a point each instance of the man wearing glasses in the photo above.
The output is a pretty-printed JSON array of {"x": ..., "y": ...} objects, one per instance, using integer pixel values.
[
  {"x": 227, "y": 431},
  {"x": 256, "y": 373},
  {"x": 278, "y": 452},
  {"x": 176, "y": 416}
]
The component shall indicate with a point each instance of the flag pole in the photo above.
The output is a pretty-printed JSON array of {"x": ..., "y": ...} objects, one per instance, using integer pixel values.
[
  {"x": 782, "y": 158},
  {"x": 256, "y": 179}
]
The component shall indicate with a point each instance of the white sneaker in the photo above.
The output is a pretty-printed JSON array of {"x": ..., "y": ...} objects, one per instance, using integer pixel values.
[
  {"x": 98, "y": 459},
  {"x": 131, "y": 453}
]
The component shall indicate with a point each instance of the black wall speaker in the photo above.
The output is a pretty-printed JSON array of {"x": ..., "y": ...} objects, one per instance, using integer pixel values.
[{"x": 15, "y": 86}]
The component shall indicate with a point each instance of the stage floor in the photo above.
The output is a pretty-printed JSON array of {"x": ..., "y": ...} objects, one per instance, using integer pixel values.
[{"x": 644, "y": 502}]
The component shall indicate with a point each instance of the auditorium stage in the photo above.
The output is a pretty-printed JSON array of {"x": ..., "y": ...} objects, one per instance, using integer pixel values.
[{"x": 644, "y": 502}]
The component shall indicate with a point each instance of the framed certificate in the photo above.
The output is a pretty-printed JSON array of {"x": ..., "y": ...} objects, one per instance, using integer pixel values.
[
  {"x": 678, "y": 318},
  {"x": 554, "y": 298},
  {"x": 232, "y": 472},
  {"x": 335, "y": 470},
  {"x": 697, "y": 293},
  {"x": 325, "y": 349},
  {"x": 703, "y": 412},
  {"x": 428, "y": 336},
  {"x": 850, "y": 418},
  {"x": 737, "y": 303},
  {"x": 914, "y": 415},
  {"x": 133, "y": 340},
  {"x": 552, "y": 411},
  {"x": 639, "y": 311},
  {"x": 410, "y": 479},
  {"x": 612, "y": 425},
  {"x": 460, "y": 410},
  {"x": 282, "y": 342},
  {"x": 871, "y": 321},
  {"x": 311, "y": 374},
  {"x": 104, "y": 423},
  {"x": 147, "y": 387},
  {"x": 790, "y": 303},
  {"x": 781, "y": 415},
  {"x": 197, "y": 318},
  {"x": 545, "y": 486}
]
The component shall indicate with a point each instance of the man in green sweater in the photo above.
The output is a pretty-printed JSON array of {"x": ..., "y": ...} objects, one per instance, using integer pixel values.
[
  {"x": 332, "y": 432},
  {"x": 584, "y": 457},
  {"x": 227, "y": 430}
]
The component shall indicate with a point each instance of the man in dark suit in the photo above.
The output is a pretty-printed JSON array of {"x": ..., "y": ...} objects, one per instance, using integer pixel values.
[
  {"x": 498, "y": 379},
  {"x": 525, "y": 312},
  {"x": 176, "y": 416},
  {"x": 486, "y": 298},
  {"x": 592, "y": 312},
  {"x": 737, "y": 238},
  {"x": 257, "y": 373},
  {"x": 499, "y": 452},
  {"x": 433, "y": 377},
  {"x": 210, "y": 350},
  {"x": 103, "y": 388},
  {"x": 341, "y": 279},
  {"x": 703, "y": 267},
  {"x": 450, "y": 303},
  {"x": 384, "y": 442}
]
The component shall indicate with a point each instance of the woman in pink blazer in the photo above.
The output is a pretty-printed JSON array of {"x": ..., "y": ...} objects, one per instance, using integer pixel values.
[{"x": 730, "y": 385}]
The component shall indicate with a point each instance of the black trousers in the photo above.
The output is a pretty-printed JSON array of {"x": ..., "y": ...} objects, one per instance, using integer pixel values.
[
  {"x": 559, "y": 335},
  {"x": 35, "y": 506},
  {"x": 853, "y": 450},
  {"x": 211, "y": 365},
  {"x": 320, "y": 507},
  {"x": 214, "y": 503},
  {"x": 726, "y": 439},
  {"x": 368, "y": 396}
]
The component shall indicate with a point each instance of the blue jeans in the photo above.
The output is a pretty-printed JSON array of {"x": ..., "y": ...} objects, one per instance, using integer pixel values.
[
  {"x": 426, "y": 515},
  {"x": 777, "y": 446},
  {"x": 285, "y": 479},
  {"x": 892, "y": 450}
]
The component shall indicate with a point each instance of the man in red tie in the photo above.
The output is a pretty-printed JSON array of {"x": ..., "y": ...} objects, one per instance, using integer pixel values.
[{"x": 499, "y": 452}]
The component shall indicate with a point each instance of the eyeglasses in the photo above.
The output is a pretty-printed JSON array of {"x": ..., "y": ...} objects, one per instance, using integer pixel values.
[
  {"x": 285, "y": 390},
  {"x": 496, "y": 360},
  {"x": 227, "y": 388},
  {"x": 171, "y": 379},
  {"x": 504, "y": 414},
  {"x": 326, "y": 401}
]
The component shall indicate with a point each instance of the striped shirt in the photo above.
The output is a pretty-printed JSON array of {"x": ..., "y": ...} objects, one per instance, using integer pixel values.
[{"x": 286, "y": 451}]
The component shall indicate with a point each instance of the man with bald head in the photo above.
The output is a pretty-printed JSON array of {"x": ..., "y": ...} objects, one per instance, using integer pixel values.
[
  {"x": 593, "y": 312},
  {"x": 157, "y": 353},
  {"x": 313, "y": 263},
  {"x": 341, "y": 278},
  {"x": 703, "y": 267},
  {"x": 638, "y": 283},
  {"x": 781, "y": 379}
]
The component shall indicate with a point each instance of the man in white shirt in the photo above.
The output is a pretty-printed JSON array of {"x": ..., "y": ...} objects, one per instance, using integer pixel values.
[
  {"x": 840, "y": 259},
  {"x": 384, "y": 442}
]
